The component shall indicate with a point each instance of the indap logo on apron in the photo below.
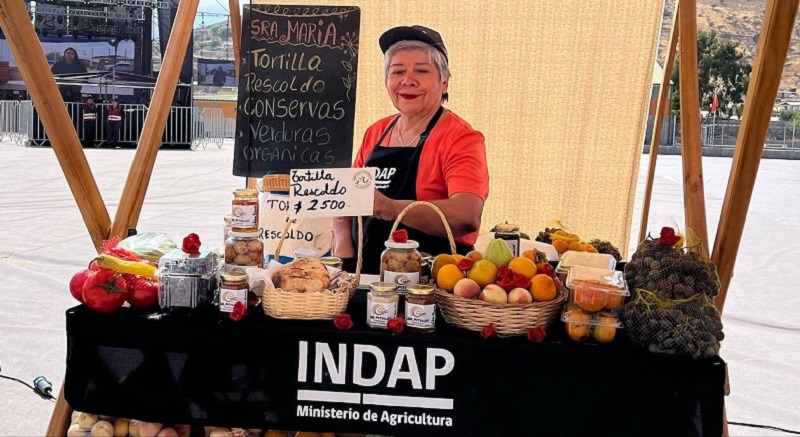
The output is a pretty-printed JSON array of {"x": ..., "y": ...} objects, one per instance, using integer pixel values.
[{"x": 357, "y": 388}]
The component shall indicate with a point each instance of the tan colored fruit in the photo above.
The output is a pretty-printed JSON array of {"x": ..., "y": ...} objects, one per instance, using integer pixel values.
[
  {"x": 103, "y": 428},
  {"x": 578, "y": 325},
  {"x": 441, "y": 261},
  {"x": 519, "y": 296},
  {"x": 448, "y": 276},
  {"x": 467, "y": 288},
  {"x": 543, "y": 288},
  {"x": 523, "y": 266},
  {"x": 475, "y": 255},
  {"x": 121, "y": 427},
  {"x": 168, "y": 432},
  {"x": 561, "y": 246},
  {"x": 273, "y": 433},
  {"x": 605, "y": 332},
  {"x": 493, "y": 293},
  {"x": 483, "y": 272}
]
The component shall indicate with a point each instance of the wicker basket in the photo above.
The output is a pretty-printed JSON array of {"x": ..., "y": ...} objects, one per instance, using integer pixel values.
[
  {"x": 275, "y": 182},
  {"x": 290, "y": 304},
  {"x": 475, "y": 314}
]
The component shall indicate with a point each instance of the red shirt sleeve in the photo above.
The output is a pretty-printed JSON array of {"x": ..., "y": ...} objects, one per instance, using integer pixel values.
[{"x": 465, "y": 168}]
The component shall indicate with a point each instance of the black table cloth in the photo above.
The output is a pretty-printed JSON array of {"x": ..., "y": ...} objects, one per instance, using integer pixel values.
[{"x": 265, "y": 373}]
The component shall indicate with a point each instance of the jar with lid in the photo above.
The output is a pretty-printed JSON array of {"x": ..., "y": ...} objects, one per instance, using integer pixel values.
[
  {"x": 332, "y": 261},
  {"x": 243, "y": 249},
  {"x": 400, "y": 264},
  {"x": 425, "y": 268},
  {"x": 234, "y": 288},
  {"x": 227, "y": 229},
  {"x": 510, "y": 234},
  {"x": 420, "y": 309},
  {"x": 382, "y": 303},
  {"x": 305, "y": 254},
  {"x": 244, "y": 210}
]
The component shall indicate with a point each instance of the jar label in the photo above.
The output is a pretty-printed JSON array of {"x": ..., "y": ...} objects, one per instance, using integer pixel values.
[
  {"x": 245, "y": 216},
  {"x": 514, "y": 246},
  {"x": 420, "y": 316},
  {"x": 401, "y": 280},
  {"x": 228, "y": 298},
  {"x": 379, "y": 313}
]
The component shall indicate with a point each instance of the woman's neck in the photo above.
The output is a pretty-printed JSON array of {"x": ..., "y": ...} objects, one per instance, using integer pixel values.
[{"x": 414, "y": 124}]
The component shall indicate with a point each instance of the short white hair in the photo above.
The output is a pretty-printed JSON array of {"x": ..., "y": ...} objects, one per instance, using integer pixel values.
[{"x": 436, "y": 57}]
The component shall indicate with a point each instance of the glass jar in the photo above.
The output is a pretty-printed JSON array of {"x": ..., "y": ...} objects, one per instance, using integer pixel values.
[
  {"x": 244, "y": 210},
  {"x": 425, "y": 268},
  {"x": 227, "y": 229},
  {"x": 305, "y": 254},
  {"x": 243, "y": 249},
  {"x": 382, "y": 303},
  {"x": 234, "y": 288},
  {"x": 510, "y": 234},
  {"x": 332, "y": 261},
  {"x": 420, "y": 309},
  {"x": 400, "y": 264}
]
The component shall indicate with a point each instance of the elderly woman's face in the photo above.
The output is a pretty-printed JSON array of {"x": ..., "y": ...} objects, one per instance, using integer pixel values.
[{"x": 414, "y": 83}]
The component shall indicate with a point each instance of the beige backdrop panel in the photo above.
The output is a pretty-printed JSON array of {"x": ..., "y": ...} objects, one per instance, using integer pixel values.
[{"x": 559, "y": 88}]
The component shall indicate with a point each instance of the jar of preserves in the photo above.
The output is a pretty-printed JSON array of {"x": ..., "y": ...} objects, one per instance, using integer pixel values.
[
  {"x": 382, "y": 303},
  {"x": 510, "y": 234},
  {"x": 332, "y": 261},
  {"x": 234, "y": 288},
  {"x": 400, "y": 264},
  {"x": 244, "y": 211},
  {"x": 420, "y": 309},
  {"x": 243, "y": 249}
]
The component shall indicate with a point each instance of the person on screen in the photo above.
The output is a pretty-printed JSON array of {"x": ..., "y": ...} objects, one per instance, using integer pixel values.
[
  {"x": 219, "y": 77},
  {"x": 425, "y": 152},
  {"x": 69, "y": 64}
]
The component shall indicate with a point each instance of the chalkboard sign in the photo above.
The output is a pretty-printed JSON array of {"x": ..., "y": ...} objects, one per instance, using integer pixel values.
[{"x": 297, "y": 89}]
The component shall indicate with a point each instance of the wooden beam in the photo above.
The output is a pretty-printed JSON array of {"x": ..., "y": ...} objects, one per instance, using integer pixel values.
[
  {"x": 773, "y": 44},
  {"x": 236, "y": 32},
  {"x": 662, "y": 110},
  {"x": 130, "y": 204},
  {"x": 61, "y": 417},
  {"x": 32, "y": 63},
  {"x": 691, "y": 148}
]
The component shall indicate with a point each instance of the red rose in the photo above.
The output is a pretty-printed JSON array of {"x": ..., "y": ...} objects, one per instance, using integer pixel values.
[
  {"x": 537, "y": 334},
  {"x": 396, "y": 324},
  {"x": 489, "y": 332},
  {"x": 506, "y": 284},
  {"x": 343, "y": 321},
  {"x": 191, "y": 244},
  {"x": 400, "y": 236},
  {"x": 521, "y": 281},
  {"x": 465, "y": 264},
  {"x": 548, "y": 270},
  {"x": 239, "y": 311},
  {"x": 668, "y": 237},
  {"x": 503, "y": 271}
]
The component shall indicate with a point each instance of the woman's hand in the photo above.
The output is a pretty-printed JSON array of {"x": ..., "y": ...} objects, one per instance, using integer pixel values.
[
  {"x": 385, "y": 208},
  {"x": 462, "y": 211},
  {"x": 342, "y": 241}
]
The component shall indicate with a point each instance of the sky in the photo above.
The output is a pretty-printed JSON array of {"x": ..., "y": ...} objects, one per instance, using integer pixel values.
[{"x": 213, "y": 7}]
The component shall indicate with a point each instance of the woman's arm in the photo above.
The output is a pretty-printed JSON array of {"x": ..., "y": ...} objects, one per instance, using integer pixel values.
[
  {"x": 342, "y": 240},
  {"x": 462, "y": 210}
]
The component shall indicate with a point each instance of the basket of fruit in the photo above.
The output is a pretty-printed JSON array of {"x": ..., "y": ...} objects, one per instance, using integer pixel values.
[
  {"x": 306, "y": 289},
  {"x": 514, "y": 294}
]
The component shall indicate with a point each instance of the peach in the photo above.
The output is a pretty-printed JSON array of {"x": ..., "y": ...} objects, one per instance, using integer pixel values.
[
  {"x": 494, "y": 293},
  {"x": 467, "y": 288},
  {"x": 520, "y": 296}
]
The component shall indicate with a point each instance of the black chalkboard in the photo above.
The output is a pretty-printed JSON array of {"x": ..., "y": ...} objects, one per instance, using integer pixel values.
[{"x": 297, "y": 88}]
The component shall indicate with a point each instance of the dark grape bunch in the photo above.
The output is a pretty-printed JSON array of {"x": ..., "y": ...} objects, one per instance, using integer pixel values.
[
  {"x": 671, "y": 273},
  {"x": 606, "y": 248},
  {"x": 692, "y": 329},
  {"x": 544, "y": 236}
]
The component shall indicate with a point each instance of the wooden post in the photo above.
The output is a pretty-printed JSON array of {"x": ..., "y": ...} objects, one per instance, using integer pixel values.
[
  {"x": 236, "y": 32},
  {"x": 693, "y": 194},
  {"x": 130, "y": 204},
  {"x": 773, "y": 44},
  {"x": 32, "y": 63},
  {"x": 662, "y": 109}
]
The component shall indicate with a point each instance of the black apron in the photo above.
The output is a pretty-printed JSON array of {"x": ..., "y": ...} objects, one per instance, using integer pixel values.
[{"x": 397, "y": 179}]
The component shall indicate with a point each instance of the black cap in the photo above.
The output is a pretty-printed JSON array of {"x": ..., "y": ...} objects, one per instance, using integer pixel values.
[{"x": 412, "y": 33}]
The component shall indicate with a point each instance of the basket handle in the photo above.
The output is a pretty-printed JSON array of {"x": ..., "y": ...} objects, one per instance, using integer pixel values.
[
  {"x": 360, "y": 261},
  {"x": 438, "y": 211}
]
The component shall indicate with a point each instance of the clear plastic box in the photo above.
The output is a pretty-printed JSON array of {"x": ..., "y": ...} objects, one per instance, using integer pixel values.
[
  {"x": 581, "y": 325},
  {"x": 573, "y": 258},
  {"x": 594, "y": 289}
]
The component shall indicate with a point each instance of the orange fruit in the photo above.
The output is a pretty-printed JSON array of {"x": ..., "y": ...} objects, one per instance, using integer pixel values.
[
  {"x": 448, "y": 276},
  {"x": 575, "y": 246},
  {"x": 440, "y": 261},
  {"x": 483, "y": 272},
  {"x": 275, "y": 434},
  {"x": 531, "y": 255},
  {"x": 590, "y": 248},
  {"x": 561, "y": 232},
  {"x": 523, "y": 266},
  {"x": 614, "y": 300},
  {"x": 540, "y": 267},
  {"x": 589, "y": 299},
  {"x": 543, "y": 288},
  {"x": 561, "y": 246},
  {"x": 606, "y": 330},
  {"x": 578, "y": 325},
  {"x": 458, "y": 258}
]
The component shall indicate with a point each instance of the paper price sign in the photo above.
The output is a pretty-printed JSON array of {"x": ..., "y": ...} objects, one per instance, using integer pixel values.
[{"x": 331, "y": 192}]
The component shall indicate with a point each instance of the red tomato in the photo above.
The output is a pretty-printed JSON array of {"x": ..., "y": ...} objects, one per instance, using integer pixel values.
[
  {"x": 143, "y": 292},
  {"x": 104, "y": 291},
  {"x": 76, "y": 284}
]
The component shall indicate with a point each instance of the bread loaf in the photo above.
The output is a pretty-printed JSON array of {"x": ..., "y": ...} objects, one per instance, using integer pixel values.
[{"x": 307, "y": 275}]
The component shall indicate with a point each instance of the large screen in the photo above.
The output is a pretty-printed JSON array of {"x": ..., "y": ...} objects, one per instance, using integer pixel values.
[{"x": 216, "y": 72}]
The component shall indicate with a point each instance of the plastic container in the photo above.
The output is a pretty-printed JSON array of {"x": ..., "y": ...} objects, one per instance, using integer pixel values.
[
  {"x": 573, "y": 258},
  {"x": 187, "y": 281},
  {"x": 594, "y": 289},
  {"x": 581, "y": 326}
]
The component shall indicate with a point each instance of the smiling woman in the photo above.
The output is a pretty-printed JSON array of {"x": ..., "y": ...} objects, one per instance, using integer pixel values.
[{"x": 425, "y": 152}]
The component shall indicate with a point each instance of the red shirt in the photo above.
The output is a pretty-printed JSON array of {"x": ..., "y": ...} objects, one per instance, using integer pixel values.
[{"x": 453, "y": 161}]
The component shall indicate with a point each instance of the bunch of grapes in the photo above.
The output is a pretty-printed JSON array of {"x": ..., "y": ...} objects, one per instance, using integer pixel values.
[
  {"x": 692, "y": 329},
  {"x": 606, "y": 248},
  {"x": 671, "y": 273},
  {"x": 544, "y": 236}
]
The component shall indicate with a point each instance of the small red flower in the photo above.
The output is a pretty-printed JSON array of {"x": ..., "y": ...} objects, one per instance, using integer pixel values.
[
  {"x": 343, "y": 321},
  {"x": 489, "y": 332},
  {"x": 191, "y": 244},
  {"x": 465, "y": 264},
  {"x": 549, "y": 270},
  {"x": 668, "y": 237},
  {"x": 537, "y": 334},
  {"x": 506, "y": 284},
  {"x": 239, "y": 311},
  {"x": 503, "y": 271},
  {"x": 521, "y": 281},
  {"x": 400, "y": 236},
  {"x": 396, "y": 324}
]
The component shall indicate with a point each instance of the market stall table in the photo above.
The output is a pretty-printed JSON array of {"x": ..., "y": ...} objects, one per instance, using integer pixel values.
[{"x": 280, "y": 374}]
